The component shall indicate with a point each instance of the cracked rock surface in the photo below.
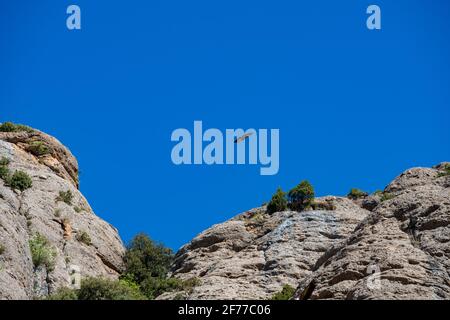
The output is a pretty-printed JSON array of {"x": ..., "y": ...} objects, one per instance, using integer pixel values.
[{"x": 37, "y": 210}]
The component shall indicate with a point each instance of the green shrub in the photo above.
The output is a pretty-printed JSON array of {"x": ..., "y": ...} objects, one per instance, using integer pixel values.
[
  {"x": 11, "y": 127},
  {"x": 65, "y": 196},
  {"x": 4, "y": 161},
  {"x": 146, "y": 258},
  {"x": 387, "y": 196},
  {"x": 2, "y": 249},
  {"x": 378, "y": 192},
  {"x": 356, "y": 194},
  {"x": 64, "y": 294},
  {"x": 42, "y": 253},
  {"x": 20, "y": 181},
  {"x": 445, "y": 170},
  {"x": 38, "y": 148},
  {"x": 152, "y": 287},
  {"x": 7, "y": 127},
  {"x": 84, "y": 237},
  {"x": 100, "y": 289},
  {"x": 77, "y": 209},
  {"x": 302, "y": 196},
  {"x": 22, "y": 127},
  {"x": 4, "y": 173},
  {"x": 147, "y": 264},
  {"x": 285, "y": 294},
  {"x": 278, "y": 202}
]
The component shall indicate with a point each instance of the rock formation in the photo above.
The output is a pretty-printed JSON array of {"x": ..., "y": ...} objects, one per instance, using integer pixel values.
[
  {"x": 41, "y": 210},
  {"x": 391, "y": 245}
]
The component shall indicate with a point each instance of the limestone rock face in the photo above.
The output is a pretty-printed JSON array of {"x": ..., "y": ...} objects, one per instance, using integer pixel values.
[
  {"x": 394, "y": 245},
  {"x": 253, "y": 255},
  {"x": 400, "y": 251},
  {"x": 38, "y": 210}
]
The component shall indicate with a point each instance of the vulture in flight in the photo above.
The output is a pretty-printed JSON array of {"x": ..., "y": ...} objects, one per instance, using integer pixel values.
[{"x": 242, "y": 138}]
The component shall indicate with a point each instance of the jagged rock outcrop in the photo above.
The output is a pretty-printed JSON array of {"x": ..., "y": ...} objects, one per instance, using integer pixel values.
[
  {"x": 391, "y": 245},
  {"x": 38, "y": 210}
]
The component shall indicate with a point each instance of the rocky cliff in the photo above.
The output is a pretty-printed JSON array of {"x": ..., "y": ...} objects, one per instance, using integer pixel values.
[
  {"x": 75, "y": 238},
  {"x": 394, "y": 244}
]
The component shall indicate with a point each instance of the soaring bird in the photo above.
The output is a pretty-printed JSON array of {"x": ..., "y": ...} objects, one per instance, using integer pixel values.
[{"x": 242, "y": 138}]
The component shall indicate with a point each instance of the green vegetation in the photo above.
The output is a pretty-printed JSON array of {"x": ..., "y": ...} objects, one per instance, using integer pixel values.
[
  {"x": 4, "y": 173},
  {"x": 65, "y": 196},
  {"x": 386, "y": 196},
  {"x": 77, "y": 209},
  {"x": 64, "y": 294},
  {"x": 84, "y": 237},
  {"x": 100, "y": 289},
  {"x": 2, "y": 249},
  {"x": 19, "y": 180},
  {"x": 278, "y": 202},
  {"x": 285, "y": 294},
  {"x": 7, "y": 127},
  {"x": 302, "y": 196},
  {"x": 378, "y": 192},
  {"x": 145, "y": 276},
  {"x": 445, "y": 170},
  {"x": 42, "y": 253},
  {"x": 147, "y": 264},
  {"x": 11, "y": 127},
  {"x": 38, "y": 148},
  {"x": 4, "y": 161},
  {"x": 355, "y": 194}
]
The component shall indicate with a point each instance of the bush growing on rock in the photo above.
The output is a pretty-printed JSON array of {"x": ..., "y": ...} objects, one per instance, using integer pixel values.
[
  {"x": 302, "y": 196},
  {"x": 4, "y": 161},
  {"x": 65, "y": 196},
  {"x": 4, "y": 173},
  {"x": 7, "y": 127},
  {"x": 42, "y": 253},
  {"x": 445, "y": 170},
  {"x": 11, "y": 127},
  {"x": 385, "y": 196},
  {"x": 100, "y": 289},
  {"x": 285, "y": 294},
  {"x": 355, "y": 194},
  {"x": 19, "y": 180},
  {"x": 278, "y": 202},
  {"x": 38, "y": 148},
  {"x": 2, "y": 249},
  {"x": 84, "y": 237}
]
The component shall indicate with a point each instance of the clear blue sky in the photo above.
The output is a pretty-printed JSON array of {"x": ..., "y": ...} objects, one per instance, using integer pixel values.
[{"x": 354, "y": 107}]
